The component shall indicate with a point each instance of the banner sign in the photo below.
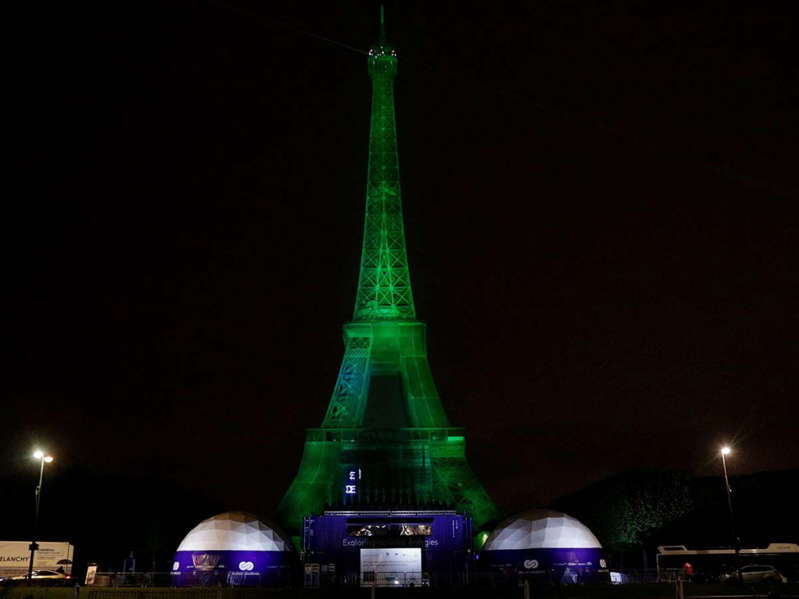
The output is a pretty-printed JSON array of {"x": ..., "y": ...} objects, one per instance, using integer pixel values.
[
  {"x": 91, "y": 574},
  {"x": 51, "y": 555}
]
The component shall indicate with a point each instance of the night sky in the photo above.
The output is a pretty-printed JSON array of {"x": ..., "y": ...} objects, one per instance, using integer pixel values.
[{"x": 600, "y": 208}]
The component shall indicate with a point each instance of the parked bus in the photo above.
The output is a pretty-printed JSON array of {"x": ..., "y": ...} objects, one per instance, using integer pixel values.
[{"x": 706, "y": 565}]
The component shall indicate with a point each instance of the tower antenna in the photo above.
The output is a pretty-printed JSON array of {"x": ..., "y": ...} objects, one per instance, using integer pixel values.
[{"x": 382, "y": 23}]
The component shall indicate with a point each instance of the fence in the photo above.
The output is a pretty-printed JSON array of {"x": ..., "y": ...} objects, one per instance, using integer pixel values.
[
  {"x": 637, "y": 576},
  {"x": 392, "y": 579},
  {"x": 274, "y": 577},
  {"x": 380, "y": 579},
  {"x": 133, "y": 579}
]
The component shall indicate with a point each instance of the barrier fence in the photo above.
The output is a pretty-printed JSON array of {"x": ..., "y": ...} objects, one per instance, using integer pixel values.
[
  {"x": 678, "y": 590},
  {"x": 133, "y": 579},
  {"x": 380, "y": 579}
]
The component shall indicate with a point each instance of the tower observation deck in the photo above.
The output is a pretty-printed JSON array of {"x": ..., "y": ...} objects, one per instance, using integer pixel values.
[{"x": 385, "y": 439}]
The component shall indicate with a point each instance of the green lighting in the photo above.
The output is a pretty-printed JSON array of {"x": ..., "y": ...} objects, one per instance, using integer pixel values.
[
  {"x": 480, "y": 540},
  {"x": 385, "y": 417},
  {"x": 384, "y": 285}
]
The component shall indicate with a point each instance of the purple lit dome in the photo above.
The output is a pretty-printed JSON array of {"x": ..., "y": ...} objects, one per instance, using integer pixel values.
[
  {"x": 541, "y": 529},
  {"x": 233, "y": 531}
]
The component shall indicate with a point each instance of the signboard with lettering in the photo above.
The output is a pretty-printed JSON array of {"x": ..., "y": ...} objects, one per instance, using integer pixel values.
[
  {"x": 391, "y": 566},
  {"x": 351, "y": 480},
  {"x": 441, "y": 537},
  {"x": 51, "y": 555}
]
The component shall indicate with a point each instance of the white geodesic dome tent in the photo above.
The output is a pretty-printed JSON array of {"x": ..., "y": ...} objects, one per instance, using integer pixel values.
[
  {"x": 541, "y": 529},
  {"x": 233, "y": 531}
]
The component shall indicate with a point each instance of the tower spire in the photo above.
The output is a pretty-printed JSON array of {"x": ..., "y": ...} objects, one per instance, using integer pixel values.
[
  {"x": 384, "y": 285},
  {"x": 382, "y": 24}
]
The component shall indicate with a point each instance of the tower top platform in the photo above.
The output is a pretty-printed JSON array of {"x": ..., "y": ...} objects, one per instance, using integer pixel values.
[{"x": 382, "y": 55}]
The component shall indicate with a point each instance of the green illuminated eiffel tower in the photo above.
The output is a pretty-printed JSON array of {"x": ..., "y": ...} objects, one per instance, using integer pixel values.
[{"x": 385, "y": 440}]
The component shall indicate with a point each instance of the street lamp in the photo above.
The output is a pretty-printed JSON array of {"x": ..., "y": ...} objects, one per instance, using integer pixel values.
[
  {"x": 43, "y": 459},
  {"x": 725, "y": 451}
]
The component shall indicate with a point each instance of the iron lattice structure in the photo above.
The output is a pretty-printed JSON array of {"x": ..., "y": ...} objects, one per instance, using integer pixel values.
[
  {"x": 385, "y": 439},
  {"x": 384, "y": 284}
]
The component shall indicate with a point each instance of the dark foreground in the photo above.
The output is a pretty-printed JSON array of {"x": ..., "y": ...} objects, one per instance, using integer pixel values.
[{"x": 629, "y": 591}]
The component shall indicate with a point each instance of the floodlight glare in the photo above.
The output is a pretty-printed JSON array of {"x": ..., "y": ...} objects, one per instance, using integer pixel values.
[
  {"x": 38, "y": 454},
  {"x": 48, "y": 459},
  {"x": 725, "y": 450}
]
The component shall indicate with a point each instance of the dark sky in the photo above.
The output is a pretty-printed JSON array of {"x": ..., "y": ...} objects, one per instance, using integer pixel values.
[{"x": 600, "y": 214}]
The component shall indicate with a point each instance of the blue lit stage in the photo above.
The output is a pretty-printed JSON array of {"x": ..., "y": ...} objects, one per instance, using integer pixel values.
[{"x": 386, "y": 547}]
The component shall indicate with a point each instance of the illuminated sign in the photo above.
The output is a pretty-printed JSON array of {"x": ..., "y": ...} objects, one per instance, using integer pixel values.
[{"x": 351, "y": 486}]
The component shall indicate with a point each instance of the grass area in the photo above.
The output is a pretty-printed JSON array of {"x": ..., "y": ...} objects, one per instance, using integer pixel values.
[{"x": 36, "y": 592}]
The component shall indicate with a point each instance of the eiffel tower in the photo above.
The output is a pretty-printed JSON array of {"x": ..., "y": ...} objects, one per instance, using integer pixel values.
[{"x": 385, "y": 440}]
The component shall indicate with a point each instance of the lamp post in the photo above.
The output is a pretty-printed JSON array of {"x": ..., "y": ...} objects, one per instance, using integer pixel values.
[
  {"x": 43, "y": 459},
  {"x": 725, "y": 451}
]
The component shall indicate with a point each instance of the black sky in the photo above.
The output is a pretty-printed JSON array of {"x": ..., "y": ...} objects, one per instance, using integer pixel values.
[{"x": 600, "y": 213}]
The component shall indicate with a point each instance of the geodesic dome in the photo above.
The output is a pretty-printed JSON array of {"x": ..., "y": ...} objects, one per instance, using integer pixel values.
[
  {"x": 233, "y": 531},
  {"x": 541, "y": 529}
]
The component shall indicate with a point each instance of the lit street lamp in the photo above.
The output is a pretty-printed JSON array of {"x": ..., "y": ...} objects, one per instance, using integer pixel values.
[
  {"x": 43, "y": 459},
  {"x": 725, "y": 451}
]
